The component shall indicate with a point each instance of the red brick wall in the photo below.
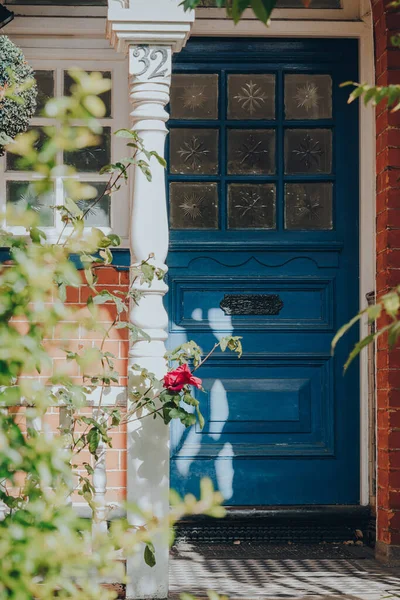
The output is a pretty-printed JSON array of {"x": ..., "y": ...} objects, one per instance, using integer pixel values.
[{"x": 387, "y": 63}]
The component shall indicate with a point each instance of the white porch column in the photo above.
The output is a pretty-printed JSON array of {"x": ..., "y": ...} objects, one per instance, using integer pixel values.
[{"x": 149, "y": 31}]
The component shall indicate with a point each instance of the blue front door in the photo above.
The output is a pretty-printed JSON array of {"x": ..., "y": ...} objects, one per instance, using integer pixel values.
[{"x": 263, "y": 208}]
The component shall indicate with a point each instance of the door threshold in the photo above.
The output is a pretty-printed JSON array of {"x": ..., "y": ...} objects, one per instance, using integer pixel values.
[{"x": 282, "y": 524}]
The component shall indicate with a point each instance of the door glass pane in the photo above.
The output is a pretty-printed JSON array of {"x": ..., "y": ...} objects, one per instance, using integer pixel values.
[
  {"x": 251, "y": 206},
  {"x": 308, "y": 206},
  {"x": 308, "y": 151},
  {"x": 97, "y": 213},
  {"x": 251, "y": 96},
  {"x": 93, "y": 158},
  {"x": 45, "y": 85},
  {"x": 308, "y": 96},
  {"x": 194, "y": 97},
  {"x": 251, "y": 151},
  {"x": 193, "y": 205},
  {"x": 23, "y": 194},
  {"x": 194, "y": 151},
  {"x": 106, "y": 97}
]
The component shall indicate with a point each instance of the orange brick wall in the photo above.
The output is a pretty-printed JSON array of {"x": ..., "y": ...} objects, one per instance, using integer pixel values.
[
  {"x": 111, "y": 279},
  {"x": 387, "y": 62}
]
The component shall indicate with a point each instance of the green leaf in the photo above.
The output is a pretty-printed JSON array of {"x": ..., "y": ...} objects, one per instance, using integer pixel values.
[
  {"x": 149, "y": 555},
  {"x": 200, "y": 418},
  {"x": 262, "y": 9},
  {"x": 93, "y": 438},
  {"x": 345, "y": 328}
]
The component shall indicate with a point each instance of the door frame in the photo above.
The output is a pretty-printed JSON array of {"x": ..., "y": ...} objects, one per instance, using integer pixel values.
[{"x": 361, "y": 30}]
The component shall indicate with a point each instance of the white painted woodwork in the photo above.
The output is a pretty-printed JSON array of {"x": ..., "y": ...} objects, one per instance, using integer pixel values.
[
  {"x": 99, "y": 480},
  {"x": 149, "y": 32}
]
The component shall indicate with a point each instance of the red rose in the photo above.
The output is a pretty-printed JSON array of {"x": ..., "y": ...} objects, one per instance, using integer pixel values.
[{"x": 175, "y": 380}]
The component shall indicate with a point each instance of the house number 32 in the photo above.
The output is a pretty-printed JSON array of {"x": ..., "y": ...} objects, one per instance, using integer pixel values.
[{"x": 147, "y": 58}]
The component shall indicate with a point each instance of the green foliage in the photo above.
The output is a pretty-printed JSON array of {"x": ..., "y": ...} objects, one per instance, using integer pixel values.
[
  {"x": 262, "y": 9},
  {"x": 375, "y": 94},
  {"x": 18, "y": 92},
  {"x": 387, "y": 308},
  {"x": 45, "y": 549}
]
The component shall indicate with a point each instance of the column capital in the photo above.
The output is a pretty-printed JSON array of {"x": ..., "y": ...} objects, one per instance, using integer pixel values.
[{"x": 148, "y": 22}]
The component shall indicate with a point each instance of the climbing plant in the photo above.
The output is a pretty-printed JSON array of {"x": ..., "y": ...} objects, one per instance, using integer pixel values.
[{"x": 46, "y": 550}]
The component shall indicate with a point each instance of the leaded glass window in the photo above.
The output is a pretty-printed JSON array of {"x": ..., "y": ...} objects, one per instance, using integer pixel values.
[{"x": 252, "y": 151}]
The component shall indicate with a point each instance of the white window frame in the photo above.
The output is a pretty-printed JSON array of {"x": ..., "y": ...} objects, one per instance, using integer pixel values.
[{"x": 119, "y": 211}]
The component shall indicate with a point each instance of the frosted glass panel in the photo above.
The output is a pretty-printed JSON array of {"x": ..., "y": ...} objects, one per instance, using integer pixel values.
[
  {"x": 23, "y": 194},
  {"x": 251, "y": 206},
  {"x": 308, "y": 151},
  {"x": 193, "y": 205},
  {"x": 97, "y": 214},
  {"x": 308, "y": 206},
  {"x": 251, "y": 96},
  {"x": 251, "y": 151},
  {"x": 194, "y": 151},
  {"x": 93, "y": 158},
  {"x": 308, "y": 96},
  {"x": 194, "y": 97}
]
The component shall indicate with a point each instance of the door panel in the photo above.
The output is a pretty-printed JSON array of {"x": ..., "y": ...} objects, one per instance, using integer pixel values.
[{"x": 263, "y": 208}]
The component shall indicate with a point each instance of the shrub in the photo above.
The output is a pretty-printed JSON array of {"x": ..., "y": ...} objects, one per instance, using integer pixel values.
[{"x": 16, "y": 109}]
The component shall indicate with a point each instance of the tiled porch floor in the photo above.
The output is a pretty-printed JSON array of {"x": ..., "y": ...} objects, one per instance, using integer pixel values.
[{"x": 250, "y": 571}]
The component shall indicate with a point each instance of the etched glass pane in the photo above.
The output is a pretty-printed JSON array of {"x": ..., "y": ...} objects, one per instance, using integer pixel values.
[
  {"x": 193, "y": 205},
  {"x": 308, "y": 206},
  {"x": 17, "y": 163},
  {"x": 194, "y": 97},
  {"x": 106, "y": 96},
  {"x": 251, "y": 96},
  {"x": 308, "y": 151},
  {"x": 96, "y": 212},
  {"x": 251, "y": 151},
  {"x": 308, "y": 96},
  {"x": 194, "y": 151},
  {"x": 251, "y": 206},
  {"x": 23, "y": 194},
  {"x": 93, "y": 158},
  {"x": 45, "y": 85}
]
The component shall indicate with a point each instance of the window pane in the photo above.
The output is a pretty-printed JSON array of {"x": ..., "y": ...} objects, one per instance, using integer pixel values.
[
  {"x": 251, "y": 151},
  {"x": 45, "y": 84},
  {"x": 308, "y": 151},
  {"x": 308, "y": 96},
  {"x": 193, "y": 205},
  {"x": 97, "y": 211},
  {"x": 24, "y": 194},
  {"x": 15, "y": 162},
  {"x": 194, "y": 97},
  {"x": 194, "y": 151},
  {"x": 93, "y": 158},
  {"x": 106, "y": 97},
  {"x": 308, "y": 206},
  {"x": 251, "y": 206},
  {"x": 251, "y": 96}
]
